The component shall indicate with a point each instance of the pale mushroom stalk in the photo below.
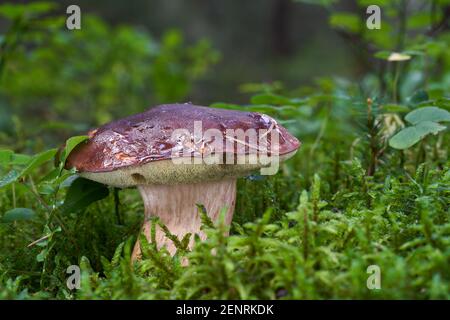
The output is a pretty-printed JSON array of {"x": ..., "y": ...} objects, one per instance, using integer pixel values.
[{"x": 175, "y": 205}]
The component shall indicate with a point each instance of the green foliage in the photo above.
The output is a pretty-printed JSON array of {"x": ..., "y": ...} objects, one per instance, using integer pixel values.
[
  {"x": 17, "y": 214},
  {"x": 81, "y": 193},
  {"x": 431, "y": 114},
  {"x": 344, "y": 202},
  {"x": 92, "y": 76},
  {"x": 317, "y": 250},
  {"x": 22, "y": 170},
  {"x": 425, "y": 121},
  {"x": 346, "y": 21},
  {"x": 411, "y": 135}
]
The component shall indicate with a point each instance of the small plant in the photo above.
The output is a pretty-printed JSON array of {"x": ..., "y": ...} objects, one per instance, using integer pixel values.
[{"x": 424, "y": 121}]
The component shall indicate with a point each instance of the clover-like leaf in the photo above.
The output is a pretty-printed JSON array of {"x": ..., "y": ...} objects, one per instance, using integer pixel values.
[
  {"x": 18, "y": 214},
  {"x": 411, "y": 135},
  {"x": 434, "y": 114}
]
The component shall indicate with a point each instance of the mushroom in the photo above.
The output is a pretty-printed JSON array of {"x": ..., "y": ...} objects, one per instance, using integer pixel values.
[{"x": 180, "y": 155}]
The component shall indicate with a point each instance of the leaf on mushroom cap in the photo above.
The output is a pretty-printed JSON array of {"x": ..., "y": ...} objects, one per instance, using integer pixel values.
[{"x": 147, "y": 136}]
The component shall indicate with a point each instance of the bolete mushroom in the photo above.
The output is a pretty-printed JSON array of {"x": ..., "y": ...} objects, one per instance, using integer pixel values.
[{"x": 180, "y": 155}]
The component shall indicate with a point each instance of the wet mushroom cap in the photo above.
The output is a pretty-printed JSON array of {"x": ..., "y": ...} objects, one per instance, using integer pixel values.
[{"x": 139, "y": 149}]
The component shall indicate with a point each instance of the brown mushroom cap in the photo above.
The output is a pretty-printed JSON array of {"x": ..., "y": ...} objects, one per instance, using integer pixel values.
[{"x": 134, "y": 148}]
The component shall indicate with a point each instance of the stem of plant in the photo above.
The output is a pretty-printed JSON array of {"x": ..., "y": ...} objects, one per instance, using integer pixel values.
[
  {"x": 421, "y": 153},
  {"x": 13, "y": 186},
  {"x": 372, "y": 139},
  {"x": 395, "y": 83},
  {"x": 117, "y": 205},
  {"x": 305, "y": 234}
]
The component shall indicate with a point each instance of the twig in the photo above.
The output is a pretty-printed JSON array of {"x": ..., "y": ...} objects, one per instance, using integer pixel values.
[{"x": 38, "y": 240}]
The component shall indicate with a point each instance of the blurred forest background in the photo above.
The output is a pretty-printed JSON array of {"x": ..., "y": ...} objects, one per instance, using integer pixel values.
[{"x": 272, "y": 40}]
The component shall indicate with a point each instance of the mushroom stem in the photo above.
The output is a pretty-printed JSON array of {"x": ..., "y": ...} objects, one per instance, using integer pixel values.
[{"x": 175, "y": 205}]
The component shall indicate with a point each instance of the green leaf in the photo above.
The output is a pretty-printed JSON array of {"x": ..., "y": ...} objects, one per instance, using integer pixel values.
[
  {"x": 32, "y": 164},
  {"x": 420, "y": 19},
  {"x": 395, "y": 108},
  {"x": 411, "y": 135},
  {"x": 18, "y": 214},
  {"x": 38, "y": 160},
  {"x": 428, "y": 114},
  {"x": 5, "y": 157},
  {"x": 224, "y": 105},
  {"x": 346, "y": 21},
  {"x": 11, "y": 11},
  {"x": 419, "y": 96},
  {"x": 427, "y": 127},
  {"x": 8, "y": 157},
  {"x": 81, "y": 193},
  {"x": 10, "y": 177},
  {"x": 275, "y": 99},
  {"x": 442, "y": 103},
  {"x": 42, "y": 255},
  {"x": 71, "y": 143},
  {"x": 382, "y": 55},
  {"x": 366, "y": 3},
  {"x": 14, "y": 11},
  {"x": 20, "y": 159}
]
